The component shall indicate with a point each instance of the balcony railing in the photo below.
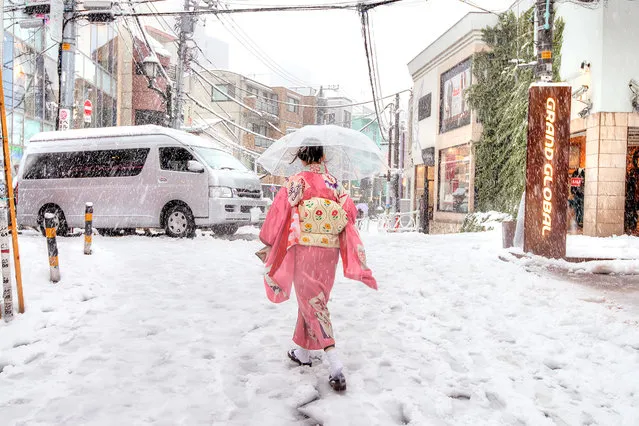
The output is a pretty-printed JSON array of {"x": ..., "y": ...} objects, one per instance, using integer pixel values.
[
  {"x": 262, "y": 142},
  {"x": 267, "y": 106}
]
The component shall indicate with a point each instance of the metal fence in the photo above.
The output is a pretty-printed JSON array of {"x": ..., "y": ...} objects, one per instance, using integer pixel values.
[{"x": 398, "y": 222}]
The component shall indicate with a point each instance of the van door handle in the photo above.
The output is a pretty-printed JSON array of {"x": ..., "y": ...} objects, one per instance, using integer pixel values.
[{"x": 163, "y": 180}]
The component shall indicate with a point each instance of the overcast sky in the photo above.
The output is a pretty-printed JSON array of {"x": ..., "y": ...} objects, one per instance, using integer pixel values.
[{"x": 327, "y": 47}]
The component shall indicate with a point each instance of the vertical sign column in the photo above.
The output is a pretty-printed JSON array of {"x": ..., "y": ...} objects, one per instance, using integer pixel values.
[{"x": 547, "y": 170}]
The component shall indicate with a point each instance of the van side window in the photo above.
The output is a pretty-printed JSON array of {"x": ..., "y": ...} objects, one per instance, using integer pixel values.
[
  {"x": 175, "y": 159},
  {"x": 86, "y": 164}
]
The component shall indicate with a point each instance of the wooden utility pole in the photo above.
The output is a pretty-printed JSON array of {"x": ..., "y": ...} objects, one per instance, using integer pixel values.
[
  {"x": 7, "y": 202},
  {"x": 545, "y": 23}
]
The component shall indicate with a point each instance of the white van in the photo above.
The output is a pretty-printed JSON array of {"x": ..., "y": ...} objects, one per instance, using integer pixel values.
[{"x": 136, "y": 177}]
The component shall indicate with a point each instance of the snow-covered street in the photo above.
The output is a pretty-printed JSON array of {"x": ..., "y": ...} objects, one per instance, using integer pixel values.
[{"x": 163, "y": 331}]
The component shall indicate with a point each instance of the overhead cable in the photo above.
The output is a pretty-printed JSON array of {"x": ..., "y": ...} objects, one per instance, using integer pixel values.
[
  {"x": 292, "y": 8},
  {"x": 204, "y": 107}
]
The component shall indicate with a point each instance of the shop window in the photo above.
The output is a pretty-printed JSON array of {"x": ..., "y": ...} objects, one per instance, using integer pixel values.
[{"x": 454, "y": 179}]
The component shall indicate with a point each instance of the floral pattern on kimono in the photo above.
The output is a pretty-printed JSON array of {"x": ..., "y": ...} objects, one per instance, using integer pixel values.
[
  {"x": 281, "y": 231},
  {"x": 318, "y": 303}
]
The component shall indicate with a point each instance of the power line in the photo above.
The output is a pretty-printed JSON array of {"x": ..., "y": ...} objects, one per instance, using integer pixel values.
[
  {"x": 198, "y": 103},
  {"x": 257, "y": 51},
  {"x": 483, "y": 9},
  {"x": 364, "y": 18},
  {"x": 375, "y": 66},
  {"x": 220, "y": 78},
  {"x": 227, "y": 142},
  {"x": 297, "y": 8},
  {"x": 211, "y": 72}
]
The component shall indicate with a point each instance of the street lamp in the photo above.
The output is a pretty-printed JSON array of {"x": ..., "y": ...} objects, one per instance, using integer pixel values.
[{"x": 151, "y": 67}]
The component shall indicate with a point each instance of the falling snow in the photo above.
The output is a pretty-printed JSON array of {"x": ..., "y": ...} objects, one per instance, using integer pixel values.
[{"x": 165, "y": 331}]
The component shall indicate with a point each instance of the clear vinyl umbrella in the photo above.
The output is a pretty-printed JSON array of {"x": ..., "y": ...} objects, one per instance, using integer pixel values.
[{"x": 350, "y": 155}]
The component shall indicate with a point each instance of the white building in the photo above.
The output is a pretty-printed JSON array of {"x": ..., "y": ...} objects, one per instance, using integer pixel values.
[
  {"x": 443, "y": 126},
  {"x": 599, "y": 59}
]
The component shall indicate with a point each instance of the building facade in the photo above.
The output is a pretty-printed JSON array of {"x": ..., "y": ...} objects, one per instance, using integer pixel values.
[
  {"x": 258, "y": 114},
  {"x": 443, "y": 127},
  {"x": 598, "y": 60},
  {"x": 338, "y": 111},
  {"x": 30, "y": 76}
]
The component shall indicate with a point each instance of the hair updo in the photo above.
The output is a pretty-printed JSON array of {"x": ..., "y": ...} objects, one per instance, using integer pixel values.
[{"x": 310, "y": 154}]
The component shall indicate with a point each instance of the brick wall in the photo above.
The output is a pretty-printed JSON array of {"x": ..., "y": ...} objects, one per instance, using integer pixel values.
[
  {"x": 605, "y": 187},
  {"x": 309, "y": 115},
  {"x": 288, "y": 119}
]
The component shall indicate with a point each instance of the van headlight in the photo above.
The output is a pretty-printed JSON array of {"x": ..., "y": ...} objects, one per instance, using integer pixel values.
[{"x": 220, "y": 192}]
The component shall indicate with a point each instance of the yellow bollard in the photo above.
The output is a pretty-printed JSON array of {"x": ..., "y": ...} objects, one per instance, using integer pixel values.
[
  {"x": 88, "y": 228},
  {"x": 49, "y": 221}
]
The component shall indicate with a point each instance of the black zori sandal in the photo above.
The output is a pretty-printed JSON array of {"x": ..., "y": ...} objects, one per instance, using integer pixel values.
[
  {"x": 291, "y": 355},
  {"x": 338, "y": 383}
]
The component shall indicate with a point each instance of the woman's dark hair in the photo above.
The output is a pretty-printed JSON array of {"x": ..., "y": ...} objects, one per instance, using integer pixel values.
[{"x": 310, "y": 154}]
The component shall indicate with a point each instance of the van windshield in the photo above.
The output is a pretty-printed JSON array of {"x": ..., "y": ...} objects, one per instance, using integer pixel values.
[{"x": 219, "y": 160}]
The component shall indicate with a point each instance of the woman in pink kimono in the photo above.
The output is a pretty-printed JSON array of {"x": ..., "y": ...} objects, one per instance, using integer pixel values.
[{"x": 312, "y": 222}]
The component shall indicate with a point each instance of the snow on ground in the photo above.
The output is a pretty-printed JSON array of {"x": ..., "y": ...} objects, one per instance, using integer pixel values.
[
  {"x": 179, "y": 332},
  {"x": 620, "y": 256}
]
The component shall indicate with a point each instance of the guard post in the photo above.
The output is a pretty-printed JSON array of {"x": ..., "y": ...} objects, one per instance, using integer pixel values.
[
  {"x": 49, "y": 223},
  {"x": 88, "y": 227}
]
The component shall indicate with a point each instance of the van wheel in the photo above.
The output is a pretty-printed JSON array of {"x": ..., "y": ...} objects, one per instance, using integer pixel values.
[
  {"x": 179, "y": 222},
  {"x": 60, "y": 222},
  {"x": 224, "y": 229}
]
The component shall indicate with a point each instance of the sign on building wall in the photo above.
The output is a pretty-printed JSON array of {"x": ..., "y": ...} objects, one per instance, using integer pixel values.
[
  {"x": 454, "y": 110},
  {"x": 428, "y": 156},
  {"x": 547, "y": 170}
]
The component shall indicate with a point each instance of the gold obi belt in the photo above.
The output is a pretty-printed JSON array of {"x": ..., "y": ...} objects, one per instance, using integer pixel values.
[{"x": 321, "y": 222}]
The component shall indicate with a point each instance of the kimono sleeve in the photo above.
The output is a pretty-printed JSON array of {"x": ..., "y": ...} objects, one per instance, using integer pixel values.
[
  {"x": 352, "y": 248},
  {"x": 349, "y": 206},
  {"x": 275, "y": 218}
]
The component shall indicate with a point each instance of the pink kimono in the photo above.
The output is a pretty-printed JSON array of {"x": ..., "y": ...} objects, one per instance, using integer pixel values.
[{"x": 309, "y": 224}]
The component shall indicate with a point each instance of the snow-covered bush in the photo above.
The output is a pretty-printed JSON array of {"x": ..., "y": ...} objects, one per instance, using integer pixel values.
[{"x": 484, "y": 221}]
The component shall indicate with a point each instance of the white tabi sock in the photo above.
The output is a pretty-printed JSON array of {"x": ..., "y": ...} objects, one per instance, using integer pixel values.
[
  {"x": 336, "y": 365},
  {"x": 303, "y": 355}
]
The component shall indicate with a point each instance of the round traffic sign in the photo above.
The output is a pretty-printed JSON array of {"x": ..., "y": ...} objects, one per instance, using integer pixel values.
[{"x": 88, "y": 107}]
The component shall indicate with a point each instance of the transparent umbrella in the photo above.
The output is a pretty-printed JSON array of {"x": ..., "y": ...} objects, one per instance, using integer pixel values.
[{"x": 350, "y": 155}]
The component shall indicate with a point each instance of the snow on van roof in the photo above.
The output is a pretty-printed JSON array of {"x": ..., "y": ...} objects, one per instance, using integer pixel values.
[{"x": 106, "y": 132}]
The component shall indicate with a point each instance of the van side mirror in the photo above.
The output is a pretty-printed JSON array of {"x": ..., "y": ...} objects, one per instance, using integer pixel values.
[{"x": 195, "y": 166}]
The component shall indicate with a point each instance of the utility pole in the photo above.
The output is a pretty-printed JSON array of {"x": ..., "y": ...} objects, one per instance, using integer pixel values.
[
  {"x": 396, "y": 156},
  {"x": 66, "y": 67},
  {"x": 187, "y": 27},
  {"x": 321, "y": 103},
  {"x": 545, "y": 23}
]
